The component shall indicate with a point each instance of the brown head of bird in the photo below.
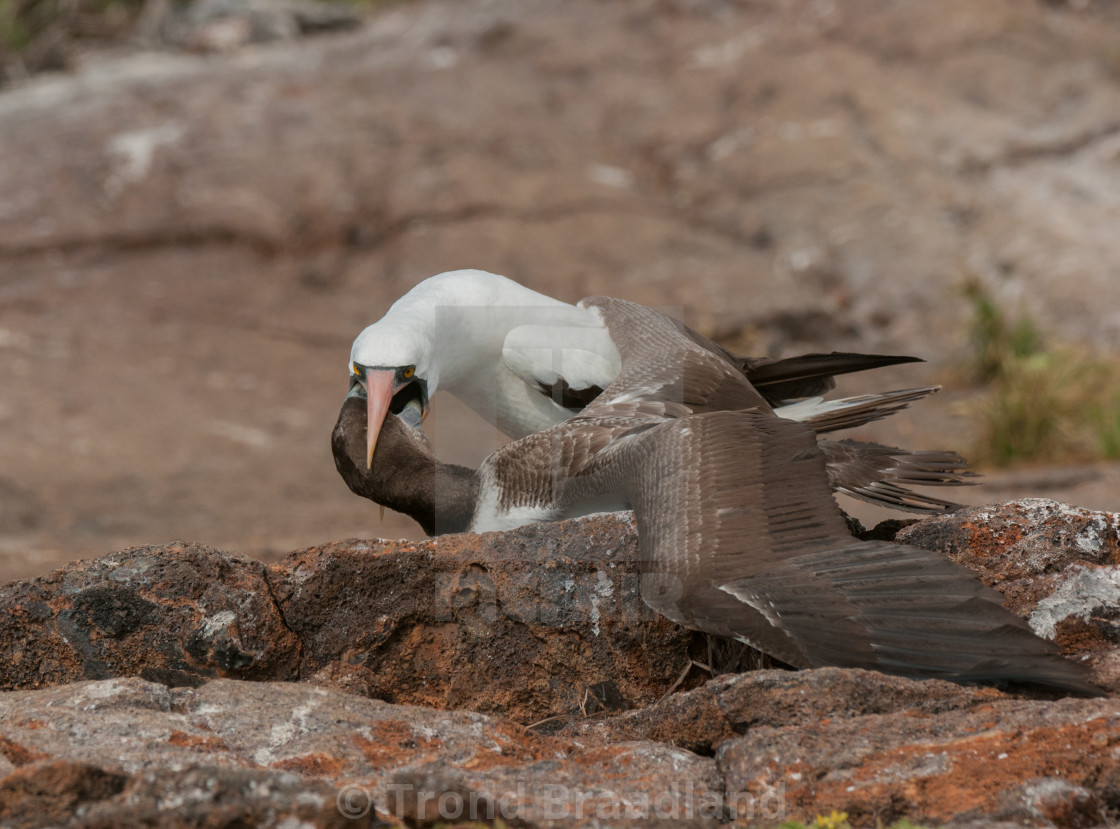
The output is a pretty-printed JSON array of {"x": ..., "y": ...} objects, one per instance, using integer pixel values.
[{"x": 403, "y": 474}]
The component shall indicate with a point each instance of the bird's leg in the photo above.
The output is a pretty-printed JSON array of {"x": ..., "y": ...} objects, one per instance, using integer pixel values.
[{"x": 692, "y": 663}]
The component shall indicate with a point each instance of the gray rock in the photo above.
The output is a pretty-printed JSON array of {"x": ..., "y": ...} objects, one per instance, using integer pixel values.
[
  {"x": 1035, "y": 763},
  {"x": 1082, "y": 594},
  {"x": 1055, "y": 564},
  {"x": 238, "y": 749},
  {"x": 529, "y": 624}
]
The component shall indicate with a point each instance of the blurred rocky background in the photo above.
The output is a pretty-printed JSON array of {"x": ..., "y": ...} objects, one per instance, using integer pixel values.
[{"x": 202, "y": 203}]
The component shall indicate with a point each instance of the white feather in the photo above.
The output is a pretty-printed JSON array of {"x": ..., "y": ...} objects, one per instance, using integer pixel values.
[
  {"x": 542, "y": 354},
  {"x": 453, "y": 327},
  {"x": 805, "y": 411},
  {"x": 490, "y": 516}
]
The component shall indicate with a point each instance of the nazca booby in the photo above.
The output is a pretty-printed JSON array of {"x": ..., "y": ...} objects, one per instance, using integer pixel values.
[
  {"x": 526, "y": 361},
  {"x": 738, "y": 532}
]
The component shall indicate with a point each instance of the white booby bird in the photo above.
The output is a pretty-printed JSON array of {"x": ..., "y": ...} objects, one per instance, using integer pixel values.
[
  {"x": 526, "y": 361},
  {"x": 738, "y": 532}
]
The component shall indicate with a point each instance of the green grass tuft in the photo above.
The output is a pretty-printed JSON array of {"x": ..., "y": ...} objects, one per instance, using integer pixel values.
[
  {"x": 1044, "y": 403},
  {"x": 996, "y": 342},
  {"x": 14, "y": 35}
]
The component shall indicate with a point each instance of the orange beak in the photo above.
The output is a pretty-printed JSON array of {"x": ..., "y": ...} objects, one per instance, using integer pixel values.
[{"x": 379, "y": 393}]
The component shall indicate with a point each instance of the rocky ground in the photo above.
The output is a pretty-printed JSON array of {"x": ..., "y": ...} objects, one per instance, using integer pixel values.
[
  {"x": 189, "y": 242},
  {"x": 518, "y": 675}
]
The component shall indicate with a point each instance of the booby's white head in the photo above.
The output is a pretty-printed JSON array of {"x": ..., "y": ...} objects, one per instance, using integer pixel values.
[
  {"x": 452, "y": 324},
  {"x": 396, "y": 362},
  {"x": 391, "y": 365}
]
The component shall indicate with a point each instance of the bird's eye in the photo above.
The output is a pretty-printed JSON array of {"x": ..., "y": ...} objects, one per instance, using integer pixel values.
[
  {"x": 408, "y": 372},
  {"x": 357, "y": 371}
]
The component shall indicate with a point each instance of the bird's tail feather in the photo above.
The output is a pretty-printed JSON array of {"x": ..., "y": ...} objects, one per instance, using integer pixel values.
[
  {"x": 882, "y": 474},
  {"x": 809, "y": 374},
  {"x": 849, "y": 412},
  {"x": 893, "y": 496}
]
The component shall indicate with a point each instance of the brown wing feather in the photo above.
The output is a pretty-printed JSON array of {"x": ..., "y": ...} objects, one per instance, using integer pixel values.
[
  {"x": 882, "y": 474},
  {"x": 866, "y": 409},
  {"x": 541, "y": 470},
  {"x": 739, "y": 534},
  {"x": 737, "y": 503},
  {"x": 664, "y": 361}
]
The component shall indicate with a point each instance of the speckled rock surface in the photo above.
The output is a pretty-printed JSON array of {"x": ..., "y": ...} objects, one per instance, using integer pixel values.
[
  {"x": 534, "y": 623},
  {"x": 521, "y": 623},
  {"x": 529, "y": 624},
  {"x": 1057, "y": 565},
  {"x": 325, "y": 752},
  {"x": 177, "y": 614},
  {"x": 485, "y": 635},
  {"x": 132, "y": 752},
  {"x": 1035, "y": 763},
  {"x": 734, "y": 704},
  {"x": 64, "y": 793}
]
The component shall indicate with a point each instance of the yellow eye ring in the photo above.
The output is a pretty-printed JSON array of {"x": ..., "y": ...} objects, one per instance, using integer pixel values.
[
  {"x": 356, "y": 371},
  {"x": 408, "y": 372}
]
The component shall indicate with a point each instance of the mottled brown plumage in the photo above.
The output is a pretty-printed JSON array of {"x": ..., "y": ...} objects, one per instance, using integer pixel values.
[
  {"x": 739, "y": 533},
  {"x": 405, "y": 475}
]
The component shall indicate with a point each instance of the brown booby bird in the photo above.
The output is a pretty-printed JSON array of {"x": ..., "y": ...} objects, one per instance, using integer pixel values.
[
  {"x": 526, "y": 361},
  {"x": 738, "y": 531}
]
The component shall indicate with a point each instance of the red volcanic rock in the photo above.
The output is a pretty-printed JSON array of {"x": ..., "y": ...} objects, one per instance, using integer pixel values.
[
  {"x": 1030, "y": 762},
  {"x": 63, "y": 793},
  {"x": 539, "y": 624},
  {"x": 530, "y": 624},
  {"x": 176, "y": 614},
  {"x": 735, "y": 704},
  {"x": 131, "y": 752},
  {"x": 41, "y": 793},
  {"x": 1058, "y": 567},
  {"x": 1021, "y": 539},
  {"x": 526, "y": 624},
  {"x": 319, "y": 755}
]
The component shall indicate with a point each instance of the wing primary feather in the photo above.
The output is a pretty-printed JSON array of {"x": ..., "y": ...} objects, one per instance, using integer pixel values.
[
  {"x": 746, "y": 512},
  {"x": 810, "y": 374}
]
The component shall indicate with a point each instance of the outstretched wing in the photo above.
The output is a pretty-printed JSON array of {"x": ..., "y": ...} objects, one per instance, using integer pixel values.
[
  {"x": 738, "y": 531},
  {"x": 739, "y": 536}
]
